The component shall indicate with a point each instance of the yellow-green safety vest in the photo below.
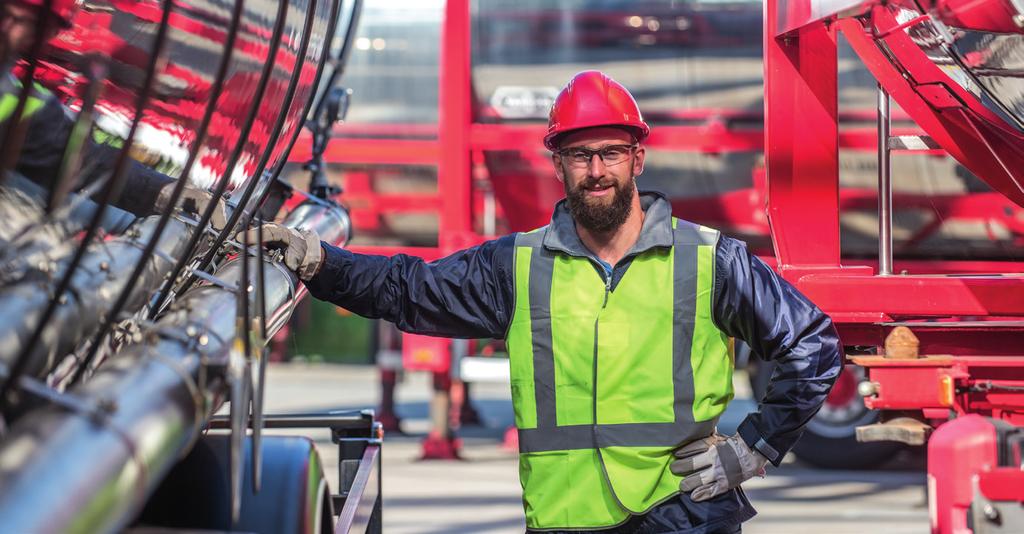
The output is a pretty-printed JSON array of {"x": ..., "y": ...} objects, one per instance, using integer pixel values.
[
  {"x": 9, "y": 102},
  {"x": 591, "y": 456}
]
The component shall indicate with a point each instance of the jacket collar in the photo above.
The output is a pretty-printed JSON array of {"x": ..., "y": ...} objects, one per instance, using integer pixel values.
[
  {"x": 656, "y": 231},
  {"x": 8, "y": 82}
]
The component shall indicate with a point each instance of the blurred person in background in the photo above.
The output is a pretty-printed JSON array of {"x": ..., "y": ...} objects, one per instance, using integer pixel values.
[
  {"x": 618, "y": 319},
  {"x": 46, "y": 124}
]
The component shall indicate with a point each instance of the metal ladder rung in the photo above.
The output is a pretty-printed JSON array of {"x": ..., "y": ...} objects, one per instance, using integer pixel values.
[{"x": 913, "y": 143}]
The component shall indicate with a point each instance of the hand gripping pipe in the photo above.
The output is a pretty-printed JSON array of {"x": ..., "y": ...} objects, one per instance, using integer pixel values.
[{"x": 91, "y": 470}]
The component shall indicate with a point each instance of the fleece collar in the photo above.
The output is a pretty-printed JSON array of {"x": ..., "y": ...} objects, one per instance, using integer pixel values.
[{"x": 561, "y": 234}]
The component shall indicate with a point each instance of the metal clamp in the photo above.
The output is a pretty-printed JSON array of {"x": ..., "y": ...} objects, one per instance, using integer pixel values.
[{"x": 207, "y": 277}]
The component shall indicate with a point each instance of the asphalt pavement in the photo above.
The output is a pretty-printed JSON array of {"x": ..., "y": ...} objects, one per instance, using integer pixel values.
[{"x": 481, "y": 492}]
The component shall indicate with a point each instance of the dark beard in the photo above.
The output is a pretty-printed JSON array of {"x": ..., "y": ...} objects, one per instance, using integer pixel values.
[{"x": 600, "y": 218}]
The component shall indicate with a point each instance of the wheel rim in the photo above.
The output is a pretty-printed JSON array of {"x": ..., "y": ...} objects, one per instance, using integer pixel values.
[{"x": 843, "y": 410}]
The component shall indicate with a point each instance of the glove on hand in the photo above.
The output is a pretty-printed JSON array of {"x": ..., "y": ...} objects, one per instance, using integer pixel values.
[
  {"x": 715, "y": 464},
  {"x": 194, "y": 201},
  {"x": 302, "y": 252}
]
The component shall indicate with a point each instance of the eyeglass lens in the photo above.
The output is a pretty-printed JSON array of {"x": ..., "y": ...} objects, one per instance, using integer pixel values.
[{"x": 610, "y": 155}]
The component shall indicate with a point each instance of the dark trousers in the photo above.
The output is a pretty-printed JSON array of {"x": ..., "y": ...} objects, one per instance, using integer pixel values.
[{"x": 681, "y": 515}]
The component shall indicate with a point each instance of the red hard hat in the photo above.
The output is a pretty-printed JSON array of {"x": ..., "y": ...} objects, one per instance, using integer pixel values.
[
  {"x": 592, "y": 99},
  {"x": 62, "y": 9}
]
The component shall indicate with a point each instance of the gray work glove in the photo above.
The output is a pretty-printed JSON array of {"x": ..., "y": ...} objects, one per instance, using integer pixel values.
[
  {"x": 302, "y": 251},
  {"x": 713, "y": 465},
  {"x": 194, "y": 201}
]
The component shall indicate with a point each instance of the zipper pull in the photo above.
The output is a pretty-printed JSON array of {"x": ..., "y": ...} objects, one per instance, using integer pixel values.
[{"x": 607, "y": 289}]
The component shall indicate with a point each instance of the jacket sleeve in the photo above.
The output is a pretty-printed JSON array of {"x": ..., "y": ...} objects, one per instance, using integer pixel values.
[
  {"x": 753, "y": 303},
  {"x": 43, "y": 150},
  {"x": 468, "y": 294}
]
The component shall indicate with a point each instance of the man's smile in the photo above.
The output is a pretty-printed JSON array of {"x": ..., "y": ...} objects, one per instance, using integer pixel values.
[{"x": 597, "y": 189}]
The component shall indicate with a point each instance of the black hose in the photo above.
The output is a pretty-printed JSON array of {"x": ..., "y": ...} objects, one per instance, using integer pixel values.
[
  {"x": 342, "y": 60},
  {"x": 78, "y": 138},
  {"x": 208, "y": 258},
  {"x": 245, "y": 322},
  {"x": 179, "y": 187},
  {"x": 111, "y": 190},
  {"x": 165, "y": 292}
]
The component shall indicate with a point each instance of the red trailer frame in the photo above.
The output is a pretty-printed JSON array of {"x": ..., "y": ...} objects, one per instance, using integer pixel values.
[
  {"x": 457, "y": 144},
  {"x": 973, "y": 322}
]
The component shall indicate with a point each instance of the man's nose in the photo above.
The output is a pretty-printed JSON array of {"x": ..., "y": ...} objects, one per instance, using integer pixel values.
[{"x": 596, "y": 166}]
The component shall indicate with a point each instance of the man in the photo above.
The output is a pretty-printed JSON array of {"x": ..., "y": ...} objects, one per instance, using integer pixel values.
[
  {"x": 617, "y": 318},
  {"x": 47, "y": 124}
]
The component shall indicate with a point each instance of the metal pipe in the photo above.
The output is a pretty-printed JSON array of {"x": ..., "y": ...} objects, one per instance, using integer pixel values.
[
  {"x": 330, "y": 221},
  {"x": 884, "y": 186},
  {"x": 91, "y": 292},
  {"x": 112, "y": 188},
  {"x": 182, "y": 182},
  {"x": 157, "y": 393}
]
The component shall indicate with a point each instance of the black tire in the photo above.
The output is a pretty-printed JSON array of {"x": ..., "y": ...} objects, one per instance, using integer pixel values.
[
  {"x": 195, "y": 494},
  {"x": 829, "y": 440}
]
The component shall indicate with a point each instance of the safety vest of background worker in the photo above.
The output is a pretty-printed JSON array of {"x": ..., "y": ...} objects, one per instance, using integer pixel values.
[
  {"x": 617, "y": 317},
  {"x": 45, "y": 127}
]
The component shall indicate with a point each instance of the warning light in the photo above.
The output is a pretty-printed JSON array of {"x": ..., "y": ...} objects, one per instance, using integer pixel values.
[{"x": 946, "y": 391}]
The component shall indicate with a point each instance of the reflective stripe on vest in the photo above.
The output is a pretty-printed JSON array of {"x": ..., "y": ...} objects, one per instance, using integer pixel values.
[
  {"x": 8, "y": 103},
  {"x": 662, "y": 369}
]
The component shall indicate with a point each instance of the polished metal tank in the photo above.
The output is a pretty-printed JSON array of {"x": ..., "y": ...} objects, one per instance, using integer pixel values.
[
  {"x": 209, "y": 92},
  {"x": 118, "y": 39},
  {"x": 92, "y": 469}
]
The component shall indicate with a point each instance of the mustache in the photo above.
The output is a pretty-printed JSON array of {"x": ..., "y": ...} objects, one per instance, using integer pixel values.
[{"x": 589, "y": 184}]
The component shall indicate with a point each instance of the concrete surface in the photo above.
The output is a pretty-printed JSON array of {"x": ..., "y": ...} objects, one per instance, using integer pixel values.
[{"x": 481, "y": 493}]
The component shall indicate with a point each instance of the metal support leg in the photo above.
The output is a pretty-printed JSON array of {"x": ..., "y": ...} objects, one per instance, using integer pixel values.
[
  {"x": 440, "y": 444},
  {"x": 884, "y": 186}
]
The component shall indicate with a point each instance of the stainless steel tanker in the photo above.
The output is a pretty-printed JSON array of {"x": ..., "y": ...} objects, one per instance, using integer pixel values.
[{"x": 126, "y": 324}]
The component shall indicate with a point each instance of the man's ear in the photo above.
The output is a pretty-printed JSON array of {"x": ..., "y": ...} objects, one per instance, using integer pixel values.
[
  {"x": 638, "y": 161},
  {"x": 556, "y": 160}
]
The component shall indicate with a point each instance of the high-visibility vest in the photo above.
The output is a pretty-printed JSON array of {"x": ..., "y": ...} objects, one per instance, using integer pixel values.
[
  {"x": 9, "y": 101},
  {"x": 589, "y": 457}
]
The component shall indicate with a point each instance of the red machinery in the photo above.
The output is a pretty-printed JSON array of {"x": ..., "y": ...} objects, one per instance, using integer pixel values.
[
  {"x": 493, "y": 175},
  {"x": 949, "y": 72}
]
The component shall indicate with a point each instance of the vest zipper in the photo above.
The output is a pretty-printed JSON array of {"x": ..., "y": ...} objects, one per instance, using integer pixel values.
[
  {"x": 593, "y": 399},
  {"x": 607, "y": 290}
]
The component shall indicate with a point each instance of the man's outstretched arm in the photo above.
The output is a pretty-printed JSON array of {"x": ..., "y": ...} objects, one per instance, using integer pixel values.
[
  {"x": 756, "y": 305},
  {"x": 468, "y": 294}
]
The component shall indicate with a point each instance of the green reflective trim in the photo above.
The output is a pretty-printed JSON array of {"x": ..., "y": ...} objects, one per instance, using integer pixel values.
[
  {"x": 550, "y": 503},
  {"x": 643, "y": 473},
  {"x": 710, "y": 356},
  {"x": 634, "y": 344},
  {"x": 577, "y": 292},
  {"x": 9, "y": 102},
  {"x": 520, "y": 345}
]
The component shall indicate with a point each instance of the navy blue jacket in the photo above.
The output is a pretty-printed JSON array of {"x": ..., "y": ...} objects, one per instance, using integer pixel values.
[{"x": 470, "y": 294}]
